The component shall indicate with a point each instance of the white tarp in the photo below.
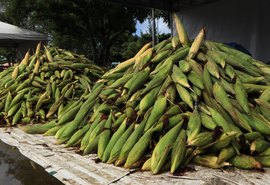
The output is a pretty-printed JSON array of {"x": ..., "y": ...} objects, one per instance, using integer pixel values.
[
  {"x": 8, "y": 31},
  {"x": 245, "y": 22}
]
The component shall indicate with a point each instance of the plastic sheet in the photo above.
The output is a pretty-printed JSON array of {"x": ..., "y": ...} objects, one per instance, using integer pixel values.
[{"x": 75, "y": 169}]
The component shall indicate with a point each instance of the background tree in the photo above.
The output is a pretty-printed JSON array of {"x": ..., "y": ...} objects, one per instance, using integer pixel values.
[
  {"x": 135, "y": 42},
  {"x": 92, "y": 27}
]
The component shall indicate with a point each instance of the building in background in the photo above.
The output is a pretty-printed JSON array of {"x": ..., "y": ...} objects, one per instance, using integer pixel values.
[{"x": 243, "y": 22}]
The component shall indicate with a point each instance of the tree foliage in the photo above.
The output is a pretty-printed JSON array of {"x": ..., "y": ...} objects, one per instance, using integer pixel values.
[
  {"x": 95, "y": 28},
  {"x": 134, "y": 43}
]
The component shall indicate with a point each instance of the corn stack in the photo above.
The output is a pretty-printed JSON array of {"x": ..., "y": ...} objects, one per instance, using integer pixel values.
[
  {"x": 177, "y": 103},
  {"x": 43, "y": 85}
]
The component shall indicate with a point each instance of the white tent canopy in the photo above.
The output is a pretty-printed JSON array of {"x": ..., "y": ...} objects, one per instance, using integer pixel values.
[
  {"x": 19, "y": 38},
  {"x": 8, "y": 31},
  {"x": 244, "y": 22}
]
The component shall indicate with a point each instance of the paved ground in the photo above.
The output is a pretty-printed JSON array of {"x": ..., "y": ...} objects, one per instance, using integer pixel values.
[{"x": 74, "y": 169}]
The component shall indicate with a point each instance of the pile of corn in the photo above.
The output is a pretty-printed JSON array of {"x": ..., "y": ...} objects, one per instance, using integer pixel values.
[
  {"x": 40, "y": 86},
  {"x": 177, "y": 103}
]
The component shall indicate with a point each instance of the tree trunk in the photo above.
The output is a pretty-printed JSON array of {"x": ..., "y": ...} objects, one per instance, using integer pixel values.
[{"x": 104, "y": 56}]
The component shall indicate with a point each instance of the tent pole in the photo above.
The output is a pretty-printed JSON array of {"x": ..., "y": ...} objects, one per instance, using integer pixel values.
[
  {"x": 157, "y": 32},
  {"x": 153, "y": 27},
  {"x": 171, "y": 24}
]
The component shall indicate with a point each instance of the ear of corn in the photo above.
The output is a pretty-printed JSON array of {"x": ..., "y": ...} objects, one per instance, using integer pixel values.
[
  {"x": 143, "y": 49},
  {"x": 178, "y": 151},
  {"x": 130, "y": 142},
  {"x": 245, "y": 162},
  {"x": 196, "y": 44},
  {"x": 258, "y": 124},
  {"x": 207, "y": 121},
  {"x": 265, "y": 95},
  {"x": 202, "y": 139},
  {"x": 212, "y": 68},
  {"x": 175, "y": 42},
  {"x": 225, "y": 154},
  {"x": 179, "y": 77},
  {"x": 184, "y": 65},
  {"x": 113, "y": 141},
  {"x": 163, "y": 148},
  {"x": 115, "y": 152},
  {"x": 195, "y": 79},
  {"x": 266, "y": 152},
  {"x": 77, "y": 136},
  {"x": 194, "y": 125},
  {"x": 140, "y": 147},
  {"x": 182, "y": 34},
  {"x": 243, "y": 121},
  {"x": 143, "y": 59},
  {"x": 241, "y": 96},
  {"x": 259, "y": 145},
  {"x": 148, "y": 100},
  {"x": 103, "y": 142},
  {"x": 222, "y": 98},
  {"x": 184, "y": 95},
  {"x": 223, "y": 141},
  {"x": 157, "y": 111},
  {"x": 263, "y": 160},
  {"x": 209, "y": 161}
]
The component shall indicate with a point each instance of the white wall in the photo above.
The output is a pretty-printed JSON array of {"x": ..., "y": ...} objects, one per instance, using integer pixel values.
[{"x": 246, "y": 22}]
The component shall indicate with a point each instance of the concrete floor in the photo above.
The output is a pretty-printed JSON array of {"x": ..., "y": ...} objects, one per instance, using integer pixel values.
[{"x": 75, "y": 169}]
